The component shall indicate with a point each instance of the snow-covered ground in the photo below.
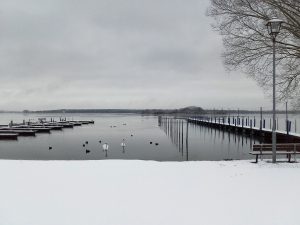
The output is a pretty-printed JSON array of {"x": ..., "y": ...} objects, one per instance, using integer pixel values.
[{"x": 146, "y": 192}]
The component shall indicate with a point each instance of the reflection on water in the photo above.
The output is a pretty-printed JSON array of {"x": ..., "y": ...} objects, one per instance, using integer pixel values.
[
  {"x": 225, "y": 144},
  {"x": 177, "y": 131},
  {"x": 206, "y": 143},
  {"x": 128, "y": 136}
]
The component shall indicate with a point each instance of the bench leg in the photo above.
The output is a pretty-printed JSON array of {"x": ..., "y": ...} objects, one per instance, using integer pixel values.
[
  {"x": 256, "y": 159},
  {"x": 289, "y": 158}
]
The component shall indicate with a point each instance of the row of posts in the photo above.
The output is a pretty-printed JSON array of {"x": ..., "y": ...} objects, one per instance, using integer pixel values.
[
  {"x": 177, "y": 130},
  {"x": 252, "y": 123},
  {"x": 248, "y": 122}
]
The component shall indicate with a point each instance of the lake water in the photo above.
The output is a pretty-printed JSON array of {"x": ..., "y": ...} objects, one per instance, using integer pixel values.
[{"x": 179, "y": 142}]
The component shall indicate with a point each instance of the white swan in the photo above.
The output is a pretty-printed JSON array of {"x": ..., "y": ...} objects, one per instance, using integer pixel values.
[
  {"x": 123, "y": 144},
  {"x": 105, "y": 147}
]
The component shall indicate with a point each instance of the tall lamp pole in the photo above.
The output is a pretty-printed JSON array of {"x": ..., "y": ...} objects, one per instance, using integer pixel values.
[{"x": 274, "y": 26}]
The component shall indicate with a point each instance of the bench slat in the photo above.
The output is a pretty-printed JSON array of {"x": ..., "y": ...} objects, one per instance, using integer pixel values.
[
  {"x": 279, "y": 147},
  {"x": 277, "y": 153}
]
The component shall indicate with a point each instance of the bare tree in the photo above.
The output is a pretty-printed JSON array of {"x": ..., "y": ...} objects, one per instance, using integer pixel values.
[{"x": 248, "y": 46}]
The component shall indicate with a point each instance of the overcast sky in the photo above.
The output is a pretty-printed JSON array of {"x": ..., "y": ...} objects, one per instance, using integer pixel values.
[{"x": 116, "y": 54}]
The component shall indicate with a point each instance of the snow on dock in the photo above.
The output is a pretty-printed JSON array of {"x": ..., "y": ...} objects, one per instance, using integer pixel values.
[{"x": 282, "y": 136}]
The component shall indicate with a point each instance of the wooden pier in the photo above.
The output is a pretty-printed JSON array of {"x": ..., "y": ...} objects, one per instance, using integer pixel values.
[
  {"x": 249, "y": 129},
  {"x": 8, "y": 136},
  {"x": 18, "y": 132},
  {"x": 13, "y": 130}
]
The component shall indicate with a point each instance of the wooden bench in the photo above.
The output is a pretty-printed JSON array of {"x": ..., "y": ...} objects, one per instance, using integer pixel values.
[{"x": 287, "y": 149}]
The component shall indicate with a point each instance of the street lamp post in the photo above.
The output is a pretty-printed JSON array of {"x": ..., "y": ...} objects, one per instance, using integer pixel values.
[{"x": 274, "y": 26}]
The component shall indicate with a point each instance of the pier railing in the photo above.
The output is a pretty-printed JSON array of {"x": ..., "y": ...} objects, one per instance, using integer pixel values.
[{"x": 247, "y": 125}]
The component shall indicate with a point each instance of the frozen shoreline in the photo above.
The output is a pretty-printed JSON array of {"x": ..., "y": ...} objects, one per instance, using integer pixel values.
[{"x": 147, "y": 192}]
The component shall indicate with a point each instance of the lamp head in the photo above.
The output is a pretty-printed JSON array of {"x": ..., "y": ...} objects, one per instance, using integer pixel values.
[{"x": 274, "y": 26}]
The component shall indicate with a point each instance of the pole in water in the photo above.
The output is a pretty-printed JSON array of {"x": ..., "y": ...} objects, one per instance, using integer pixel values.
[
  {"x": 187, "y": 141},
  {"x": 286, "y": 119},
  {"x": 261, "y": 120}
]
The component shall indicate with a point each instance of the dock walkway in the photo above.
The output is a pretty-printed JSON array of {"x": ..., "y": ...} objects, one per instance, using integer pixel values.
[{"x": 220, "y": 123}]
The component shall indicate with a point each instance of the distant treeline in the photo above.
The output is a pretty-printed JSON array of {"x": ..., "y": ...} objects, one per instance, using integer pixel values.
[
  {"x": 86, "y": 111},
  {"x": 192, "y": 110},
  {"x": 186, "y": 110}
]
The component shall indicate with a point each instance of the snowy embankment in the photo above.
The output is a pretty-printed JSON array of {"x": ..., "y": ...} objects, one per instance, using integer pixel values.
[{"x": 145, "y": 192}]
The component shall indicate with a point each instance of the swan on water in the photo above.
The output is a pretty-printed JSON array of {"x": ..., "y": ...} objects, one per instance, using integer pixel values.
[
  {"x": 105, "y": 147},
  {"x": 123, "y": 144}
]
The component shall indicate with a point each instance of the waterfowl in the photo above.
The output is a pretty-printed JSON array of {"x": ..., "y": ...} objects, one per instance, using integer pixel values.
[
  {"x": 123, "y": 144},
  {"x": 105, "y": 147}
]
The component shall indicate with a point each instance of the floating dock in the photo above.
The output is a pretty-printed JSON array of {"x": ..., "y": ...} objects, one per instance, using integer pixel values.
[
  {"x": 8, "y": 136},
  {"x": 19, "y": 132},
  {"x": 13, "y": 130}
]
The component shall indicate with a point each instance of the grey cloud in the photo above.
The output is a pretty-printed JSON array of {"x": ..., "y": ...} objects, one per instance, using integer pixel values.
[{"x": 114, "y": 54}]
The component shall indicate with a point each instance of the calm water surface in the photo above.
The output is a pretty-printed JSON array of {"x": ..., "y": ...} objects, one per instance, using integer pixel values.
[{"x": 177, "y": 142}]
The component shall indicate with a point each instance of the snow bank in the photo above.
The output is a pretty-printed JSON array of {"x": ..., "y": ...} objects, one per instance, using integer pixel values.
[{"x": 148, "y": 193}]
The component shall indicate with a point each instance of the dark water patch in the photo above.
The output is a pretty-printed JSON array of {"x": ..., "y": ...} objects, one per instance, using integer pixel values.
[{"x": 143, "y": 137}]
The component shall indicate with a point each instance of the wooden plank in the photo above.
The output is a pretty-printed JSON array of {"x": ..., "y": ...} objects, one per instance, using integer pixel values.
[
  {"x": 19, "y": 132},
  {"x": 37, "y": 129},
  {"x": 8, "y": 136},
  {"x": 41, "y": 126},
  {"x": 277, "y": 153},
  {"x": 279, "y": 147}
]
